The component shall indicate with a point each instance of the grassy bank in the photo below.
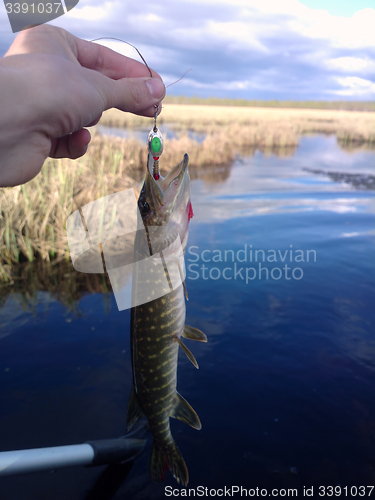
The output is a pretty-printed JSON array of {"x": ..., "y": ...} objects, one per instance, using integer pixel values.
[
  {"x": 216, "y": 101},
  {"x": 260, "y": 127},
  {"x": 33, "y": 216}
]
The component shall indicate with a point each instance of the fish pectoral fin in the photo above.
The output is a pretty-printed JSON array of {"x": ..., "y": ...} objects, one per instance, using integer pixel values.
[
  {"x": 135, "y": 412},
  {"x": 184, "y": 412},
  {"x": 187, "y": 352},
  {"x": 194, "y": 334}
]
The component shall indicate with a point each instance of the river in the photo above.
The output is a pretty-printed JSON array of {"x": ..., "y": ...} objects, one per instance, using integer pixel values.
[{"x": 280, "y": 275}]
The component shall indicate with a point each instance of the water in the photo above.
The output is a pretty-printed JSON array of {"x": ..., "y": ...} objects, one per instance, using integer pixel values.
[{"x": 285, "y": 390}]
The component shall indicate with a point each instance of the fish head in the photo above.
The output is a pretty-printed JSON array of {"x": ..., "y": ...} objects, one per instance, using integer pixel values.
[{"x": 164, "y": 203}]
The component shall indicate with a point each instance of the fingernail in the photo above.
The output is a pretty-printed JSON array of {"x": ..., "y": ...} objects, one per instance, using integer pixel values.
[{"x": 156, "y": 87}]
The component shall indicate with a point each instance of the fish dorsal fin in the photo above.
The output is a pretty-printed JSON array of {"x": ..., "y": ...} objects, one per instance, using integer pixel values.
[
  {"x": 184, "y": 412},
  {"x": 135, "y": 412},
  {"x": 187, "y": 352},
  {"x": 194, "y": 334}
]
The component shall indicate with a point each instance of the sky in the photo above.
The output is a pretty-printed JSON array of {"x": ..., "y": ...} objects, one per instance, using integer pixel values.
[{"x": 248, "y": 49}]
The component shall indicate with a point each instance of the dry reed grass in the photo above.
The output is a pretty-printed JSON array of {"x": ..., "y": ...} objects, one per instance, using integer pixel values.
[
  {"x": 258, "y": 126},
  {"x": 222, "y": 101},
  {"x": 33, "y": 216}
]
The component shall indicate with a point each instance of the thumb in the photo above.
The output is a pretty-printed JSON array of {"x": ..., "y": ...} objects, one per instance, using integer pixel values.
[{"x": 136, "y": 95}]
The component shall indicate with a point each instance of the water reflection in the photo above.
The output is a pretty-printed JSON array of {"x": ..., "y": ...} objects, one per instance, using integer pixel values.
[
  {"x": 358, "y": 181},
  {"x": 263, "y": 185},
  {"x": 36, "y": 285}
]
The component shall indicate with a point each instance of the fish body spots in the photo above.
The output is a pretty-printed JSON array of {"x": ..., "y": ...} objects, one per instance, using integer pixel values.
[
  {"x": 168, "y": 372},
  {"x": 155, "y": 353}
]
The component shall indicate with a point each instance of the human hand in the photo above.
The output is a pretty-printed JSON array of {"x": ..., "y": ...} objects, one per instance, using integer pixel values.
[{"x": 52, "y": 85}]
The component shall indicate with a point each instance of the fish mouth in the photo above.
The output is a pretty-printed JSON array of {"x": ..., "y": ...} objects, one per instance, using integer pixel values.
[{"x": 162, "y": 194}]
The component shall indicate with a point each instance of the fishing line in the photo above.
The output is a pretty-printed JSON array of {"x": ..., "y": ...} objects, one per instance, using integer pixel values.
[
  {"x": 187, "y": 71},
  {"x": 140, "y": 55},
  {"x": 155, "y": 139},
  {"x": 119, "y": 40}
]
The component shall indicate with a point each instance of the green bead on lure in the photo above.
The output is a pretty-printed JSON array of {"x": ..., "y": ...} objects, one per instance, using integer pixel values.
[{"x": 156, "y": 144}]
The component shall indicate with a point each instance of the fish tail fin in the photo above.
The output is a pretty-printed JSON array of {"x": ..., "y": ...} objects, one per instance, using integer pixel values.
[{"x": 170, "y": 458}]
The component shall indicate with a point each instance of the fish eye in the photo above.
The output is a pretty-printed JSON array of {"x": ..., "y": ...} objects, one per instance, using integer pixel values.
[{"x": 144, "y": 208}]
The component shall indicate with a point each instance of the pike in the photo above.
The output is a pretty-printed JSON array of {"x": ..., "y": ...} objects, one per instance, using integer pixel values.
[{"x": 158, "y": 325}]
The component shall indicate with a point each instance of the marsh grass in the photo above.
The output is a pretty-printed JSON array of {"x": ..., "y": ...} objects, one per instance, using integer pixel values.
[
  {"x": 259, "y": 127},
  {"x": 33, "y": 216},
  {"x": 218, "y": 101}
]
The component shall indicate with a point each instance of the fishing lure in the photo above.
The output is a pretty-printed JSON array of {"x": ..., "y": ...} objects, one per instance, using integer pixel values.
[{"x": 155, "y": 143}]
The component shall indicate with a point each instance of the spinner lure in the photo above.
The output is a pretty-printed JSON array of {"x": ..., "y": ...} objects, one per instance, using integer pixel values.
[{"x": 155, "y": 143}]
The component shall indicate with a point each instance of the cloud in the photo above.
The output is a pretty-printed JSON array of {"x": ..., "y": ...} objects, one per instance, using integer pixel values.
[
  {"x": 91, "y": 13},
  {"x": 348, "y": 64},
  {"x": 240, "y": 48},
  {"x": 349, "y": 33},
  {"x": 354, "y": 86}
]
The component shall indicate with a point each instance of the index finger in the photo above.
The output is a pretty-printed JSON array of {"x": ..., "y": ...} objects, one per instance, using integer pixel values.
[{"x": 108, "y": 62}]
